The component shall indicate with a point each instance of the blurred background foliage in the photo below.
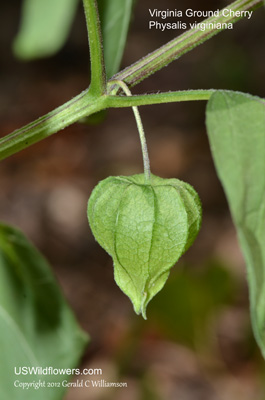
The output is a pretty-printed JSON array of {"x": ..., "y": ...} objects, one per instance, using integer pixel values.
[{"x": 197, "y": 341}]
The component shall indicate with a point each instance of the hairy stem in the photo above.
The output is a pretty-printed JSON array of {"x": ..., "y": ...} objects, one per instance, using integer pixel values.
[
  {"x": 98, "y": 76},
  {"x": 94, "y": 99},
  {"x": 174, "y": 49},
  {"x": 79, "y": 107},
  {"x": 157, "y": 98}
]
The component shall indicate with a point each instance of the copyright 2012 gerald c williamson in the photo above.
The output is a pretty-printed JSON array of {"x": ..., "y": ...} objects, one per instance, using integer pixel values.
[{"x": 88, "y": 383}]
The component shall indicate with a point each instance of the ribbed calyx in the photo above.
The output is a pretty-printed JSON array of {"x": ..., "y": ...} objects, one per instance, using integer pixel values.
[{"x": 145, "y": 227}]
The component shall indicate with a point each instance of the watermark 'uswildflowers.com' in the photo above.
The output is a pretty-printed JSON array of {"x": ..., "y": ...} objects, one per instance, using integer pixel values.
[
  {"x": 56, "y": 371},
  {"x": 45, "y": 378}
]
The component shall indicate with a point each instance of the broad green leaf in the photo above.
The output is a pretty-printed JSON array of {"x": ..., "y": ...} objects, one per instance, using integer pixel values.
[
  {"x": 115, "y": 16},
  {"x": 37, "y": 327},
  {"x": 236, "y": 129},
  {"x": 145, "y": 227},
  {"x": 45, "y": 25}
]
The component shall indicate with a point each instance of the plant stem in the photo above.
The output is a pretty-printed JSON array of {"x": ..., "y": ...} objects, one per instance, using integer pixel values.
[
  {"x": 98, "y": 76},
  {"x": 79, "y": 107},
  {"x": 157, "y": 98},
  {"x": 82, "y": 106},
  {"x": 140, "y": 127},
  {"x": 174, "y": 49},
  {"x": 94, "y": 99}
]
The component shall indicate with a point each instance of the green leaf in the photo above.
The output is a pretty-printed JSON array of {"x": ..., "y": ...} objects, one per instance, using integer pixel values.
[
  {"x": 236, "y": 129},
  {"x": 38, "y": 329},
  {"x": 115, "y": 16},
  {"x": 44, "y": 28},
  {"x": 145, "y": 227}
]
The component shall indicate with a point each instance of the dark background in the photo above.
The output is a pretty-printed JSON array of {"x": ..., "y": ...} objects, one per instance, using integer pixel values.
[{"x": 195, "y": 345}]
